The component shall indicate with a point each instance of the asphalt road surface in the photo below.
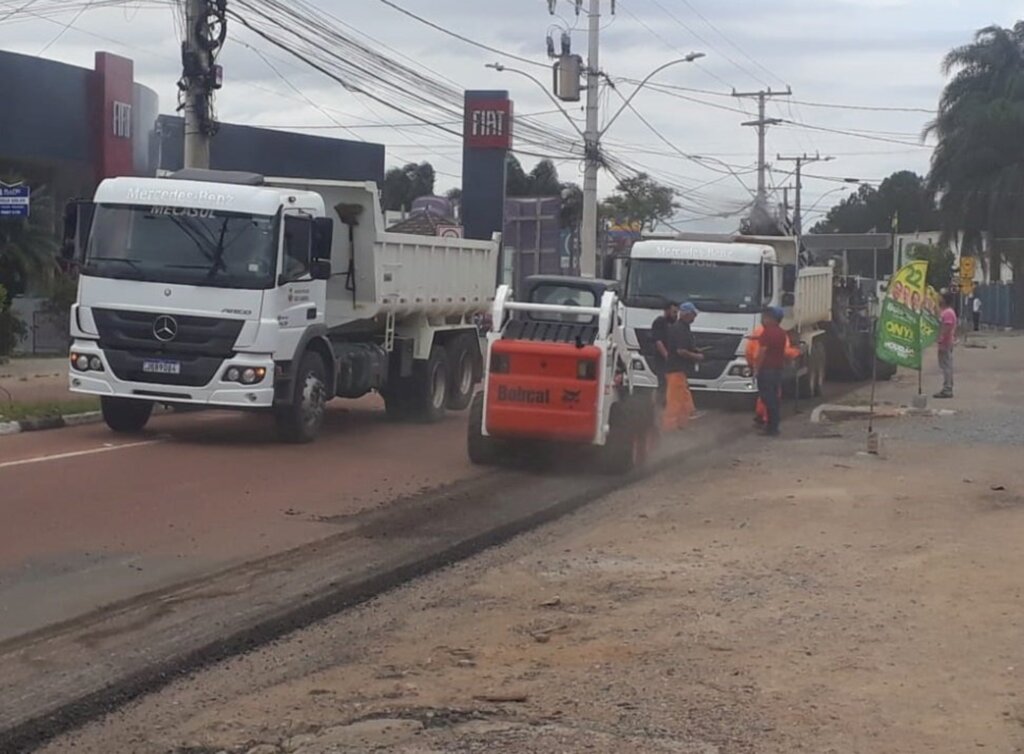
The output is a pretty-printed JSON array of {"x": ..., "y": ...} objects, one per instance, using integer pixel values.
[{"x": 90, "y": 518}]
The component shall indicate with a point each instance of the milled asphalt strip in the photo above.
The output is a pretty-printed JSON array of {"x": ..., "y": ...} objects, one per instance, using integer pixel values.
[{"x": 59, "y": 678}]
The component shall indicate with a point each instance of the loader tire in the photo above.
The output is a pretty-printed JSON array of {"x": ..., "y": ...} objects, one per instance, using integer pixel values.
[
  {"x": 483, "y": 450},
  {"x": 629, "y": 438}
]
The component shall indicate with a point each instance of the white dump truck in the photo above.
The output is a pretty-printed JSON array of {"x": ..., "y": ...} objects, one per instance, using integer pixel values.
[
  {"x": 731, "y": 279},
  {"x": 231, "y": 290}
]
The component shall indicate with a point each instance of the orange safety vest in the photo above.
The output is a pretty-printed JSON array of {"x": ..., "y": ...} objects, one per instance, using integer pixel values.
[{"x": 753, "y": 349}]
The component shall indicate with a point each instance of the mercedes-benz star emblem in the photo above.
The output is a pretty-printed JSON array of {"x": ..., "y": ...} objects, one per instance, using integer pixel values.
[{"x": 165, "y": 328}]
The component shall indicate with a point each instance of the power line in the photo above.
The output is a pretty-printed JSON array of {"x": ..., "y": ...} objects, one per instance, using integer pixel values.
[
  {"x": 460, "y": 37},
  {"x": 65, "y": 28},
  {"x": 732, "y": 44}
]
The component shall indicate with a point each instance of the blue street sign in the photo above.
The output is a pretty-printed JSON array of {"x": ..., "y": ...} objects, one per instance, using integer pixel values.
[{"x": 15, "y": 200}]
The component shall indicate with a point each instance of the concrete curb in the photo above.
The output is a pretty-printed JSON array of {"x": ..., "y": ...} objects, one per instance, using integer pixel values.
[
  {"x": 828, "y": 413},
  {"x": 50, "y": 422},
  {"x": 61, "y": 422}
]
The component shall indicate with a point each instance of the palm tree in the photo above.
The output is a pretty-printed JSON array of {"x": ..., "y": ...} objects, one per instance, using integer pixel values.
[
  {"x": 28, "y": 248},
  {"x": 978, "y": 166}
]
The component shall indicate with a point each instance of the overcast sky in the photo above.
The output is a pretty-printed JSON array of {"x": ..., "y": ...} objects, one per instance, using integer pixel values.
[{"x": 874, "y": 53}]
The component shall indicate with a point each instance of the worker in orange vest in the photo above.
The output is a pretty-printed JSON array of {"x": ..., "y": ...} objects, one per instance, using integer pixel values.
[{"x": 752, "y": 353}]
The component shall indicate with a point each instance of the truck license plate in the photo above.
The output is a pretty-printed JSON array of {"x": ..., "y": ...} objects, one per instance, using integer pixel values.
[{"x": 161, "y": 366}]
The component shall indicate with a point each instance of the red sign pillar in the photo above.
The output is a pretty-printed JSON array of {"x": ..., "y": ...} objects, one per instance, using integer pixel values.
[{"x": 113, "y": 96}]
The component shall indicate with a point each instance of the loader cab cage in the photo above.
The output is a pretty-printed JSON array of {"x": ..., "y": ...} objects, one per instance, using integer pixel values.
[{"x": 562, "y": 326}]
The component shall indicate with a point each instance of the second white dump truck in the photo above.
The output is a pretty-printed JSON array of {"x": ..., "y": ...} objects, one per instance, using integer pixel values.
[
  {"x": 231, "y": 290},
  {"x": 731, "y": 279}
]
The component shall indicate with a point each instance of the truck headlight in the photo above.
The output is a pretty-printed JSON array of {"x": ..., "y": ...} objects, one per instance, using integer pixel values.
[
  {"x": 245, "y": 375},
  {"x": 85, "y": 363},
  {"x": 741, "y": 370}
]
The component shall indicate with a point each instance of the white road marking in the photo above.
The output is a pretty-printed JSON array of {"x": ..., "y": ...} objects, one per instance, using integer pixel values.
[{"x": 75, "y": 454}]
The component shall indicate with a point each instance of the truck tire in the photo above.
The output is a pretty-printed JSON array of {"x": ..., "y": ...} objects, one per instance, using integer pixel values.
[
  {"x": 884, "y": 370},
  {"x": 300, "y": 421},
  {"x": 429, "y": 386},
  {"x": 483, "y": 450},
  {"x": 125, "y": 415},
  {"x": 463, "y": 368}
]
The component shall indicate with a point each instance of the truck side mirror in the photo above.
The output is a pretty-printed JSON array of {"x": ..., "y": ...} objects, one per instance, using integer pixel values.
[
  {"x": 320, "y": 269},
  {"x": 323, "y": 239},
  {"x": 78, "y": 216},
  {"x": 789, "y": 278}
]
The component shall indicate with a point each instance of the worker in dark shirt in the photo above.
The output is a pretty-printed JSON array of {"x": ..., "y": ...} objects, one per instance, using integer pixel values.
[
  {"x": 770, "y": 361},
  {"x": 682, "y": 360},
  {"x": 659, "y": 339}
]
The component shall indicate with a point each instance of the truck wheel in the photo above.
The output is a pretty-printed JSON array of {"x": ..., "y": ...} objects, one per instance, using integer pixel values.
[
  {"x": 125, "y": 415},
  {"x": 430, "y": 386},
  {"x": 300, "y": 421},
  {"x": 483, "y": 450},
  {"x": 464, "y": 366},
  {"x": 884, "y": 370}
]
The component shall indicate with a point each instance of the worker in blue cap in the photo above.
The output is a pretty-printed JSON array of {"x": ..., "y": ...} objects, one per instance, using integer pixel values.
[
  {"x": 683, "y": 358},
  {"x": 771, "y": 359}
]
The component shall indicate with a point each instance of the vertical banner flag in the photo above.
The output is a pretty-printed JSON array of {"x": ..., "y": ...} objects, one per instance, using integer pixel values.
[
  {"x": 899, "y": 338},
  {"x": 930, "y": 313}
]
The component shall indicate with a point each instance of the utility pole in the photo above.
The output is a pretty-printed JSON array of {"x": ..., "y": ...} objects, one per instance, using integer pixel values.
[
  {"x": 205, "y": 32},
  {"x": 762, "y": 124},
  {"x": 591, "y": 147},
  {"x": 801, "y": 160}
]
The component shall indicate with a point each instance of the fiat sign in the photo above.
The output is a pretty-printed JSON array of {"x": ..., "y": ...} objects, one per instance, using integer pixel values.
[{"x": 489, "y": 124}]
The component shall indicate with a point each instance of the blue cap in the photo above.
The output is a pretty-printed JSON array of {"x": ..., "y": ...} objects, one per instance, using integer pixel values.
[
  {"x": 689, "y": 308},
  {"x": 776, "y": 312}
]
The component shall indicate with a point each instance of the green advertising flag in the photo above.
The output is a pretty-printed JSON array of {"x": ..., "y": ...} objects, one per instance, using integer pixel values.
[
  {"x": 899, "y": 340},
  {"x": 930, "y": 313}
]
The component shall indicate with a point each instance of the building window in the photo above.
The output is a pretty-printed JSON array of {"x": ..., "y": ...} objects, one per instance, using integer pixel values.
[{"x": 122, "y": 120}]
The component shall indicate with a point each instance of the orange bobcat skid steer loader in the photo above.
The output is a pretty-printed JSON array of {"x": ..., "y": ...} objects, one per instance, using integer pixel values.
[{"x": 558, "y": 371}]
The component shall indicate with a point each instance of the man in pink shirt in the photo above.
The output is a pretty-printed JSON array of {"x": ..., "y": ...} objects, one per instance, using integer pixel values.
[{"x": 947, "y": 334}]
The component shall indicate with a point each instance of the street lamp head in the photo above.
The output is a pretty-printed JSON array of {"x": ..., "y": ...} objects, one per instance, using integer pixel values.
[
  {"x": 694, "y": 56},
  {"x": 495, "y": 66}
]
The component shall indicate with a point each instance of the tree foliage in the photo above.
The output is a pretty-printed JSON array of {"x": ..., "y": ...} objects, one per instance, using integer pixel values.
[
  {"x": 940, "y": 263},
  {"x": 405, "y": 184},
  {"x": 642, "y": 200},
  {"x": 903, "y": 194},
  {"x": 12, "y": 329},
  {"x": 541, "y": 181},
  {"x": 978, "y": 164}
]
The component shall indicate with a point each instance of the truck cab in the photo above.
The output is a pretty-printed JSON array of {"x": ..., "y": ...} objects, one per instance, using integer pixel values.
[{"x": 729, "y": 283}]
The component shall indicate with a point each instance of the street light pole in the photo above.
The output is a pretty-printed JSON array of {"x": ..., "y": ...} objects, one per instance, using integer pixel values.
[{"x": 592, "y": 136}]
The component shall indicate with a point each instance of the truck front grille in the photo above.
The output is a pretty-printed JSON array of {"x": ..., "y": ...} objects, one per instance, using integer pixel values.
[{"x": 123, "y": 330}]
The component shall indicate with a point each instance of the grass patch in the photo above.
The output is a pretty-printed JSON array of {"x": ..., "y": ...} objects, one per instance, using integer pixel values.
[{"x": 17, "y": 411}]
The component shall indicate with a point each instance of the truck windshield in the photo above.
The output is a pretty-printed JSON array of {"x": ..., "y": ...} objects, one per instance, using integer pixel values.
[
  {"x": 182, "y": 245},
  {"x": 711, "y": 286}
]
